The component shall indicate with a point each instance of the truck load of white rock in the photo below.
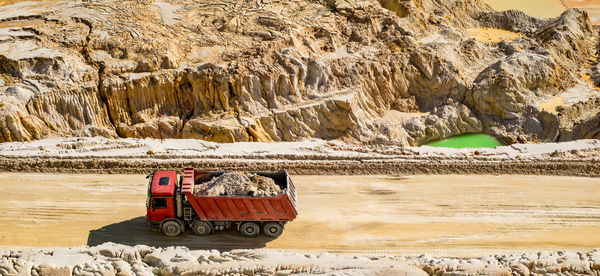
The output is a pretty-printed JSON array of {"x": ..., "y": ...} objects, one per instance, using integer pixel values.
[{"x": 238, "y": 183}]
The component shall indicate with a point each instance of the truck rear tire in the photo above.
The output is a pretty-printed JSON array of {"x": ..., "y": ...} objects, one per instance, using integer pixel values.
[
  {"x": 171, "y": 228},
  {"x": 272, "y": 229},
  {"x": 202, "y": 228},
  {"x": 249, "y": 229}
]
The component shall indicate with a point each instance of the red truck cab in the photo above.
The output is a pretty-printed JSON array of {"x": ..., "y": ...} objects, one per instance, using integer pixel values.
[
  {"x": 161, "y": 191},
  {"x": 172, "y": 206}
]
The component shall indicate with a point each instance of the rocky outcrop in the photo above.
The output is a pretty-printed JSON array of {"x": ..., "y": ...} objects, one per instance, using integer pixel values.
[
  {"x": 286, "y": 71},
  {"x": 588, "y": 129},
  {"x": 541, "y": 263},
  {"x": 116, "y": 259}
]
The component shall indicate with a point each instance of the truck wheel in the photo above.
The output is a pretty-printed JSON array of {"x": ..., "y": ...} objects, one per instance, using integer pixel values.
[
  {"x": 171, "y": 228},
  {"x": 249, "y": 229},
  {"x": 272, "y": 229},
  {"x": 202, "y": 228}
]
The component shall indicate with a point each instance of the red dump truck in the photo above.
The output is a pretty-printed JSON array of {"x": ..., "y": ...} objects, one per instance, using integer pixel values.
[{"x": 172, "y": 206}]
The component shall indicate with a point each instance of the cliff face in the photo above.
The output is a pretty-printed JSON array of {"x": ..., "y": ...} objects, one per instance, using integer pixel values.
[{"x": 390, "y": 71}]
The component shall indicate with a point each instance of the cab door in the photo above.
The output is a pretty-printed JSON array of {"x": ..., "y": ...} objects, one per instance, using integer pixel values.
[{"x": 161, "y": 207}]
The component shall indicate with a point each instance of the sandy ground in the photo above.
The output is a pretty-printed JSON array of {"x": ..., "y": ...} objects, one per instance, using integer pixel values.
[
  {"x": 493, "y": 35},
  {"x": 551, "y": 104},
  {"x": 537, "y": 8},
  {"x": 402, "y": 117},
  {"x": 592, "y": 6},
  {"x": 548, "y": 8},
  {"x": 443, "y": 215}
]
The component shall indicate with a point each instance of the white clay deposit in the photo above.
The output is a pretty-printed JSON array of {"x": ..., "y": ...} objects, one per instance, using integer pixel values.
[
  {"x": 114, "y": 259},
  {"x": 238, "y": 183}
]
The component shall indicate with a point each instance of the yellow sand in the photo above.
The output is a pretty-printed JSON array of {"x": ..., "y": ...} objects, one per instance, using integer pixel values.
[
  {"x": 493, "y": 35},
  {"x": 8, "y": 2},
  {"x": 548, "y": 8},
  {"x": 401, "y": 117},
  {"x": 447, "y": 215},
  {"x": 587, "y": 77},
  {"x": 592, "y": 6},
  {"x": 537, "y": 8},
  {"x": 551, "y": 104}
]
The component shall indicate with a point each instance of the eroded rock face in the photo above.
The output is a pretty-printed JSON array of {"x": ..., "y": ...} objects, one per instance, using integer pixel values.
[{"x": 289, "y": 71}]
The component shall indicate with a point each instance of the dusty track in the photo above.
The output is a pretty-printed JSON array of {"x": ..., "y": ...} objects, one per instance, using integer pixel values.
[
  {"x": 448, "y": 215},
  {"x": 316, "y": 157}
]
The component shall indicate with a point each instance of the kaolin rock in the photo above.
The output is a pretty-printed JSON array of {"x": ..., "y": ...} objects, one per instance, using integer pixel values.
[{"x": 237, "y": 183}]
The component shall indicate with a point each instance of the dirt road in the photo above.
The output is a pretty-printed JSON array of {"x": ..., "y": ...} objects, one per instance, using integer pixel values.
[{"x": 446, "y": 215}]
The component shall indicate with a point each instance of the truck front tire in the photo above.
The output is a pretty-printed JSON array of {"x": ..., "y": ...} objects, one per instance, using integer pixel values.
[
  {"x": 272, "y": 229},
  {"x": 202, "y": 228},
  {"x": 249, "y": 229},
  {"x": 171, "y": 228}
]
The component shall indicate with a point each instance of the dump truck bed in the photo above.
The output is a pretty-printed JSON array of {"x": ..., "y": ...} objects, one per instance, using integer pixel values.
[{"x": 241, "y": 208}]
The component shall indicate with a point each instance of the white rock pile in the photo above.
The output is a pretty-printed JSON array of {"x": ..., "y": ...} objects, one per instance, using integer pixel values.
[
  {"x": 238, "y": 183},
  {"x": 116, "y": 259},
  {"x": 541, "y": 263}
]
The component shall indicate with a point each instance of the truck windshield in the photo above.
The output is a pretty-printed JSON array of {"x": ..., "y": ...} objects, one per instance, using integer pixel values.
[{"x": 164, "y": 181}]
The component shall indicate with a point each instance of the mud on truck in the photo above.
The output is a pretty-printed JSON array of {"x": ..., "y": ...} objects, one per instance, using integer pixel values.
[{"x": 172, "y": 207}]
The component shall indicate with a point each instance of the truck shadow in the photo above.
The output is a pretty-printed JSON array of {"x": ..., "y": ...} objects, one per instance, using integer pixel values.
[{"x": 134, "y": 232}]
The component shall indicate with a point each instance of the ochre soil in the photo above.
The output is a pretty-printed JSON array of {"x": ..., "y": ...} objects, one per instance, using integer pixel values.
[
  {"x": 444, "y": 215},
  {"x": 493, "y": 35}
]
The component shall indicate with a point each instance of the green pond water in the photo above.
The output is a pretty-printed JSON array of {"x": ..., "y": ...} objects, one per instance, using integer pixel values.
[{"x": 472, "y": 140}]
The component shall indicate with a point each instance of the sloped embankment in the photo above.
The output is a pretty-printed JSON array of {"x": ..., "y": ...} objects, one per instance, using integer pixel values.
[{"x": 101, "y": 155}]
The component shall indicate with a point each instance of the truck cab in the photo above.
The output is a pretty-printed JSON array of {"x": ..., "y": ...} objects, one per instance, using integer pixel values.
[{"x": 160, "y": 204}]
